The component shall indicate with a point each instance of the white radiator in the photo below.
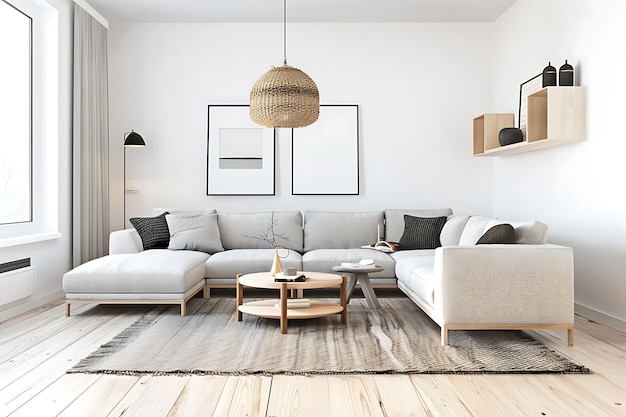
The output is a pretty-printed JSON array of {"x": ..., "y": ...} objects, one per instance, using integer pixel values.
[{"x": 17, "y": 284}]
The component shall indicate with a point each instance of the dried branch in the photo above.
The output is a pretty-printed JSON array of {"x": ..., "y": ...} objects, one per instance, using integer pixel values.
[{"x": 270, "y": 236}]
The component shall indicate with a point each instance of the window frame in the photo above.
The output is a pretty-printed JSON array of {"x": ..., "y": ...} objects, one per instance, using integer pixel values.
[
  {"x": 45, "y": 128},
  {"x": 30, "y": 116}
]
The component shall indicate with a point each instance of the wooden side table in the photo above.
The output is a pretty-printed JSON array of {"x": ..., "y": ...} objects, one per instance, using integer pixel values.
[{"x": 361, "y": 274}]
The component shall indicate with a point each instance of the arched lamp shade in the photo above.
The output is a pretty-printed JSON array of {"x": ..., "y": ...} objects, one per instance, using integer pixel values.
[
  {"x": 134, "y": 140},
  {"x": 284, "y": 97}
]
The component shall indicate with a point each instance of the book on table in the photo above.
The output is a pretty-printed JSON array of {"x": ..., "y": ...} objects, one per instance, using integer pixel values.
[
  {"x": 290, "y": 278},
  {"x": 363, "y": 263},
  {"x": 383, "y": 246},
  {"x": 291, "y": 303}
]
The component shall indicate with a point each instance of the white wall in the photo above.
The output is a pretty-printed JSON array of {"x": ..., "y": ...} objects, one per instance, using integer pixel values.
[
  {"x": 418, "y": 87},
  {"x": 52, "y": 258},
  {"x": 577, "y": 189}
]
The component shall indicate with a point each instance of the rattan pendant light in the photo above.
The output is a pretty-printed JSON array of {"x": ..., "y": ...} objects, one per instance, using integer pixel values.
[{"x": 284, "y": 96}]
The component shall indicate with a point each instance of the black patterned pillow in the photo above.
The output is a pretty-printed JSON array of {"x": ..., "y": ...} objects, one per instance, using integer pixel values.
[
  {"x": 422, "y": 232},
  {"x": 500, "y": 233},
  {"x": 153, "y": 231}
]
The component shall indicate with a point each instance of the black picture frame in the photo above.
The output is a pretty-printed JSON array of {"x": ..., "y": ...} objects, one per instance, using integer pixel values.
[{"x": 527, "y": 88}]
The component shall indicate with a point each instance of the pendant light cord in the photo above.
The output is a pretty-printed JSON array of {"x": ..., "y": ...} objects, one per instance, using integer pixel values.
[{"x": 284, "y": 32}]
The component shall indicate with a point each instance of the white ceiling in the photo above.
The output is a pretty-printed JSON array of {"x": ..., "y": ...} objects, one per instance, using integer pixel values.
[{"x": 302, "y": 10}]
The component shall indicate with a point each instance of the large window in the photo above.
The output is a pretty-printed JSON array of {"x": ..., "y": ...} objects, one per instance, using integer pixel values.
[{"x": 15, "y": 115}]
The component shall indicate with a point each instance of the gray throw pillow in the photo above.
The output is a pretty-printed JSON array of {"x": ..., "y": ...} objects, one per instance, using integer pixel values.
[
  {"x": 194, "y": 232},
  {"x": 422, "y": 232},
  {"x": 153, "y": 231},
  {"x": 500, "y": 233}
]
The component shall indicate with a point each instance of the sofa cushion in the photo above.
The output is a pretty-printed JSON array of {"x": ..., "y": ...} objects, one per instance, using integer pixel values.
[
  {"x": 473, "y": 230},
  {"x": 153, "y": 231},
  {"x": 183, "y": 211},
  {"x": 323, "y": 260},
  {"x": 253, "y": 230},
  {"x": 500, "y": 233},
  {"x": 414, "y": 268},
  {"x": 394, "y": 220},
  {"x": 340, "y": 230},
  {"x": 150, "y": 271},
  {"x": 232, "y": 262},
  {"x": 422, "y": 232},
  {"x": 452, "y": 230},
  {"x": 408, "y": 260},
  {"x": 194, "y": 232}
]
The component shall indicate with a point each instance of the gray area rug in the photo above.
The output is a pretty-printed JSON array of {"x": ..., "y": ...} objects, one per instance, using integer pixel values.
[{"x": 397, "y": 338}]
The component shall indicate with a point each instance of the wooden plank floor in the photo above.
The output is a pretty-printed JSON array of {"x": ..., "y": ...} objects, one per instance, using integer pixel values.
[{"x": 37, "y": 348}]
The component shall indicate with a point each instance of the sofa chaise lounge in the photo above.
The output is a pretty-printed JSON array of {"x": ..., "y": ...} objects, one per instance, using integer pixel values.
[{"x": 447, "y": 271}]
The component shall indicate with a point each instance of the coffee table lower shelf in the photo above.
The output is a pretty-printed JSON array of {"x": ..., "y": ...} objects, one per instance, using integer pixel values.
[{"x": 315, "y": 310}]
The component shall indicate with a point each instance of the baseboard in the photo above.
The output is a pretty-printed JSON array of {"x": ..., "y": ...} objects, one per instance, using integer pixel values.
[
  {"x": 599, "y": 317},
  {"x": 30, "y": 304}
]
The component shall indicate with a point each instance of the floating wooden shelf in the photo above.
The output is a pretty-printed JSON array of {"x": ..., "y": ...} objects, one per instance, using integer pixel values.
[{"x": 556, "y": 116}]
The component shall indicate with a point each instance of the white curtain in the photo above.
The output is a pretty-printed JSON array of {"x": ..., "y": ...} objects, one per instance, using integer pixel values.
[{"x": 91, "y": 139}]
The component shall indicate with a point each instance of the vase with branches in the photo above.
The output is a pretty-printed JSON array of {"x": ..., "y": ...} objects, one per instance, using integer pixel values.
[{"x": 271, "y": 236}]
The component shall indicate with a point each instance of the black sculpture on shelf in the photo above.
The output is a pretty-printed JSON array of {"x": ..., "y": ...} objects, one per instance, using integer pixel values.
[
  {"x": 510, "y": 135},
  {"x": 566, "y": 75},
  {"x": 549, "y": 76}
]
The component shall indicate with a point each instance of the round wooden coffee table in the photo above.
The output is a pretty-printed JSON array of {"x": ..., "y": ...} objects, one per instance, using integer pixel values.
[{"x": 277, "y": 309}]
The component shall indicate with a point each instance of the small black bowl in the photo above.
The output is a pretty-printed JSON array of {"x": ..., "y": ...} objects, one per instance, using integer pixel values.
[{"x": 510, "y": 135}]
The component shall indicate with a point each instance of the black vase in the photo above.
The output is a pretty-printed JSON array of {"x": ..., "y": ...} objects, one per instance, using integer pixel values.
[
  {"x": 548, "y": 76},
  {"x": 566, "y": 75},
  {"x": 510, "y": 135}
]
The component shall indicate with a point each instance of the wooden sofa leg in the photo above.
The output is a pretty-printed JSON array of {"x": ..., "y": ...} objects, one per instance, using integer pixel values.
[
  {"x": 183, "y": 308},
  {"x": 570, "y": 337},
  {"x": 67, "y": 309},
  {"x": 207, "y": 292},
  {"x": 444, "y": 336}
]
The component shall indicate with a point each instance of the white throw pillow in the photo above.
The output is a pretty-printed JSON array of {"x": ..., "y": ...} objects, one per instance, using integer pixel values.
[
  {"x": 475, "y": 227},
  {"x": 452, "y": 230},
  {"x": 194, "y": 232}
]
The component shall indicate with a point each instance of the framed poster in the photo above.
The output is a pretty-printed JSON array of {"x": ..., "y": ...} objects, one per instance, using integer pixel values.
[
  {"x": 240, "y": 154},
  {"x": 527, "y": 88},
  {"x": 325, "y": 155}
]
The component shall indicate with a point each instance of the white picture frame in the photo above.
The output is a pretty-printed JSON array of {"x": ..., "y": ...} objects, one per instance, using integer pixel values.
[
  {"x": 240, "y": 154},
  {"x": 325, "y": 154}
]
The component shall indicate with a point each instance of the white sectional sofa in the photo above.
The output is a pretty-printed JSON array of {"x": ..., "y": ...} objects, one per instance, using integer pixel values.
[{"x": 460, "y": 284}]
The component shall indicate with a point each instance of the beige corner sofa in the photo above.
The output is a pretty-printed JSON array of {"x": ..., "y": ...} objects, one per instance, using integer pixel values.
[{"x": 527, "y": 284}]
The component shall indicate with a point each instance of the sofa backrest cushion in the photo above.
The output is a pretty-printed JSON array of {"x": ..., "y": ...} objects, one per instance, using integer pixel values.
[
  {"x": 452, "y": 230},
  {"x": 253, "y": 230},
  {"x": 182, "y": 211},
  {"x": 341, "y": 230},
  {"x": 528, "y": 232},
  {"x": 394, "y": 220},
  {"x": 125, "y": 241},
  {"x": 475, "y": 227}
]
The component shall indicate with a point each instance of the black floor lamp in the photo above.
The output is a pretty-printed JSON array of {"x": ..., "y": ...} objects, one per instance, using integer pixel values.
[{"x": 132, "y": 139}]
